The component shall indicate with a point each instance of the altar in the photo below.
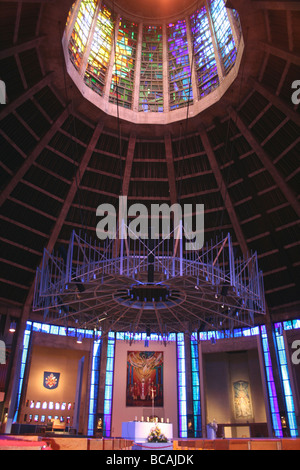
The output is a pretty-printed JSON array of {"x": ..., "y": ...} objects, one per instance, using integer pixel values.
[{"x": 138, "y": 431}]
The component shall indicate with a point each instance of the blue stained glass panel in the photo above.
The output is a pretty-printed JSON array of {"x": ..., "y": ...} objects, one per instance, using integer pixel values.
[
  {"x": 181, "y": 385},
  {"x": 180, "y": 86},
  {"x": 94, "y": 385},
  {"x": 109, "y": 384},
  {"x": 196, "y": 387},
  {"x": 223, "y": 34},
  {"x": 204, "y": 54},
  {"x": 288, "y": 394},
  {"x": 271, "y": 385}
]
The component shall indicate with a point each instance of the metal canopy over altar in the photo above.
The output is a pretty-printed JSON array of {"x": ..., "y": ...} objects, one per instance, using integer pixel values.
[{"x": 142, "y": 285}]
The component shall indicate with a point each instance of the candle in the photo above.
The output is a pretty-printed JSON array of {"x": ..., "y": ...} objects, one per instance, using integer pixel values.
[{"x": 142, "y": 418}]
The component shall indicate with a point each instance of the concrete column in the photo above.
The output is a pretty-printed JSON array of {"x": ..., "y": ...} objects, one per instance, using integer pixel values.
[
  {"x": 137, "y": 73},
  {"x": 166, "y": 91},
  {"x": 192, "y": 59}
]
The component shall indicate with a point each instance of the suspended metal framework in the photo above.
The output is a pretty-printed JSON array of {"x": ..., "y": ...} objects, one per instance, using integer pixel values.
[{"x": 141, "y": 285}]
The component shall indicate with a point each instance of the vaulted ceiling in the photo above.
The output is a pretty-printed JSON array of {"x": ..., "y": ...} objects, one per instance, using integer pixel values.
[{"x": 61, "y": 157}]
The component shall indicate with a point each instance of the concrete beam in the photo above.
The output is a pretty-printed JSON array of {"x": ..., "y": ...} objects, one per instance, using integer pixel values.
[
  {"x": 269, "y": 5},
  {"x": 33, "y": 156},
  {"x": 66, "y": 206},
  {"x": 222, "y": 187},
  {"x": 268, "y": 164},
  {"x": 170, "y": 169},
  {"x": 24, "y": 46},
  {"x": 276, "y": 101},
  {"x": 9, "y": 108}
]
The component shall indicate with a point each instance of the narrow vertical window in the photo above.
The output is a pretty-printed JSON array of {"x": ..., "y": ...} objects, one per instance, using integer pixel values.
[
  {"x": 81, "y": 31},
  {"x": 151, "y": 78},
  {"x": 101, "y": 49},
  {"x": 26, "y": 340},
  {"x": 285, "y": 379},
  {"x": 122, "y": 86},
  {"x": 196, "y": 387},
  {"x": 95, "y": 373},
  {"x": 180, "y": 86},
  {"x": 181, "y": 383},
  {"x": 204, "y": 56},
  {"x": 224, "y": 36},
  {"x": 109, "y": 379}
]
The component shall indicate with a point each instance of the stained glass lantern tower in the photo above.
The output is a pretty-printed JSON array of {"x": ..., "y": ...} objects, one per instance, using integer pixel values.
[{"x": 151, "y": 72}]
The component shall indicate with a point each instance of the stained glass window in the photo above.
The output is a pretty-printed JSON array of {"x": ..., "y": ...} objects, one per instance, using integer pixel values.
[
  {"x": 151, "y": 79},
  {"x": 95, "y": 374},
  {"x": 237, "y": 22},
  {"x": 166, "y": 56},
  {"x": 204, "y": 56},
  {"x": 109, "y": 384},
  {"x": 180, "y": 87},
  {"x": 223, "y": 33},
  {"x": 285, "y": 378},
  {"x": 181, "y": 380},
  {"x": 122, "y": 86},
  {"x": 70, "y": 13},
  {"x": 26, "y": 339},
  {"x": 101, "y": 48},
  {"x": 196, "y": 387},
  {"x": 81, "y": 30},
  {"x": 271, "y": 384}
]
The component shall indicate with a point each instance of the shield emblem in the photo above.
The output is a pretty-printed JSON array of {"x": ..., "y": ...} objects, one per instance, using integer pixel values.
[{"x": 51, "y": 380}]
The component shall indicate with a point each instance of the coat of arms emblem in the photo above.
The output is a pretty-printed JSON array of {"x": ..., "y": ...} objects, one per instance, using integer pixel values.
[{"x": 51, "y": 380}]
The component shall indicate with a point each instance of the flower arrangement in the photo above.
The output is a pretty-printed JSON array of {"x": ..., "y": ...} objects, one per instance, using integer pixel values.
[{"x": 156, "y": 435}]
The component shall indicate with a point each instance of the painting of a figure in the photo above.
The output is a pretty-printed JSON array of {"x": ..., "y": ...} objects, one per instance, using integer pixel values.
[
  {"x": 242, "y": 400},
  {"x": 144, "y": 378}
]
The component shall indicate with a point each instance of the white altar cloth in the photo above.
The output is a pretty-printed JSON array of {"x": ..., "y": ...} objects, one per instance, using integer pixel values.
[{"x": 138, "y": 431}]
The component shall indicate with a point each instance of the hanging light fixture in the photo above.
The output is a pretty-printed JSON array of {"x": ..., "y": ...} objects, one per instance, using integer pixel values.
[
  {"x": 79, "y": 339},
  {"x": 12, "y": 327},
  {"x": 122, "y": 298}
]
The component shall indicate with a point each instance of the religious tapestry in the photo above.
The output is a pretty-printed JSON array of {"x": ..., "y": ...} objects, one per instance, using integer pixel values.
[
  {"x": 242, "y": 399},
  {"x": 144, "y": 378},
  {"x": 51, "y": 380}
]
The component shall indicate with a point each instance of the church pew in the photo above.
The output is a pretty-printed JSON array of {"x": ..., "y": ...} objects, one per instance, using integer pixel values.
[
  {"x": 265, "y": 444},
  {"x": 290, "y": 444}
]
